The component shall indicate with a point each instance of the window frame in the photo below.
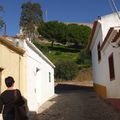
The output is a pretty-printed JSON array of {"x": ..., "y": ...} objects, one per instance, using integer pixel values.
[
  {"x": 111, "y": 67},
  {"x": 99, "y": 52}
]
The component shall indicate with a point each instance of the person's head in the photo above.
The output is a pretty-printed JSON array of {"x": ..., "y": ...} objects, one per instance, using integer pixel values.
[{"x": 9, "y": 81}]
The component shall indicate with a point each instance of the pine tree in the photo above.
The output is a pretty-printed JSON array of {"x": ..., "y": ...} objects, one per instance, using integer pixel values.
[{"x": 31, "y": 17}]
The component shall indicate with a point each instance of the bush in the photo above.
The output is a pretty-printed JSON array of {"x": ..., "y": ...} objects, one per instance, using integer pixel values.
[
  {"x": 58, "y": 53},
  {"x": 66, "y": 70},
  {"x": 84, "y": 58}
]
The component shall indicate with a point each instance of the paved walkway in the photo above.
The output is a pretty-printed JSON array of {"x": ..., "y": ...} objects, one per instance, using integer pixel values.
[
  {"x": 115, "y": 102},
  {"x": 76, "y": 103}
]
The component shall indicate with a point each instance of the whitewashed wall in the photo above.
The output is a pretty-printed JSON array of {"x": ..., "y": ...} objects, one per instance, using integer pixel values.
[
  {"x": 107, "y": 21},
  {"x": 98, "y": 66},
  {"x": 112, "y": 86},
  {"x": 101, "y": 69},
  {"x": 39, "y": 88}
]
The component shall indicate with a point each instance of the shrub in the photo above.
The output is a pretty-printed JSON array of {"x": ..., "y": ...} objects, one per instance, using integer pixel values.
[
  {"x": 57, "y": 53},
  {"x": 84, "y": 58},
  {"x": 66, "y": 70}
]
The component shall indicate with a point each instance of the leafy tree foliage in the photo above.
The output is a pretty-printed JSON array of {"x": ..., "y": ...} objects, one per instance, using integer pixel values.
[
  {"x": 71, "y": 34},
  {"x": 31, "y": 17},
  {"x": 1, "y": 19},
  {"x": 62, "y": 31},
  {"x": 66, "y": 70},
  {"x": 78, "y": 34},
  {"x": 84, "y": 58},
  {"x": 54, "y": 31},
  {"x": 84, "y": 34}
]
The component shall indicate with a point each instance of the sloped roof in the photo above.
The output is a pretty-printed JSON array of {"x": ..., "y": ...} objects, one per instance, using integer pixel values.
[
  {"x": 116, "y": 37},
  {"x": 106, "y": 38},
  {"x": 31, "y": 45},
  {"x": 92, "y": 34},
  {"x": 109, "y": 19},
  {"x": 112, "y": 36},
  {"x": 10, "y": 44}
]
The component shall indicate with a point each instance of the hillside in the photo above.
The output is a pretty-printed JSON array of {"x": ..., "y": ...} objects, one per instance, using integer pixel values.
[{"x": 59, "y": 53}]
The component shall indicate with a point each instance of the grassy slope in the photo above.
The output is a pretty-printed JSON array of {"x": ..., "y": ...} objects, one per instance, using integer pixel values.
[{"x": 58, "y": 52}]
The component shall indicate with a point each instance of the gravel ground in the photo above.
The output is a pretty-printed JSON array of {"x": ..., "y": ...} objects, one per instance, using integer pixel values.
[{"x": 76, "y": 103}]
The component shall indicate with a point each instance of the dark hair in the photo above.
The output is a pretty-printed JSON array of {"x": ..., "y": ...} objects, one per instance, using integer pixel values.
[{"x": 9, "y": 81}]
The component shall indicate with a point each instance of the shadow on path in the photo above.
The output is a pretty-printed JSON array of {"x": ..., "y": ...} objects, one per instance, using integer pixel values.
[
  {"x": 74, "y": 102},
  {"x": 61, "y": 88}
]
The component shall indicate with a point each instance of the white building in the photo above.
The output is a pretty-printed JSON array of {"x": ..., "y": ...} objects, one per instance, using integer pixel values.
[
  {"x": 37, "y": 72},
  {"x": 40, "y": 76},
  {"x": 105, "y": 50}
]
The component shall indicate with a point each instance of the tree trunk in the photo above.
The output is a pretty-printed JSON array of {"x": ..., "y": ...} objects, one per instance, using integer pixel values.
[{"x": 52, "y": 43}]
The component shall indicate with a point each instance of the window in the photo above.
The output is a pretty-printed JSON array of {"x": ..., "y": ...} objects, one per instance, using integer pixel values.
[
  {"x": 99, "y": 52},
  {"x": 111, "y": 67},
  {"x": 49, "y": 77}
]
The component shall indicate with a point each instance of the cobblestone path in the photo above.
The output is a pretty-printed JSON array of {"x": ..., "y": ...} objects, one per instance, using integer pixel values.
[{"x": 78, "y": 103}]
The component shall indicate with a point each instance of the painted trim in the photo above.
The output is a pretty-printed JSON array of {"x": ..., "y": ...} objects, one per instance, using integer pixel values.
[
  {"x": 11, "y": 45},
  {"x": 101, "y": 90},
  {"x": 116, "y": 37},
  {"x": 106, "y": 38},
  {"x": 99, "y": 52},
  {"x": 94, "y": 29},
  {"x": 111, "y": 70},
  {"x": 92, "y": 34}
]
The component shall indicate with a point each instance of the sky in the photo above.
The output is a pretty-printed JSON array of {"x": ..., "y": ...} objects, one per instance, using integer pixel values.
[{"x": 80, "y": 11}]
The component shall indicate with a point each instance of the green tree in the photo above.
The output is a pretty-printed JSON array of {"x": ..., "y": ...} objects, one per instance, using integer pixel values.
[
  {"x": 31, "y": 17},
  {"x": 78, "y": 34},
  {"x": 84, "y": 58},
  {"x": 54, "y": 31},
  {"x": 66, "y": 70},
  {"x": 61, "y": 34},
  {"x": 1, "y": 19},
  {"x": 73, "y": 34},
  {"x": 84, "y": 33}
]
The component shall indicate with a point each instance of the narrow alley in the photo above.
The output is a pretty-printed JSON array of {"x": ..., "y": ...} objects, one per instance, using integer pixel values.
[{"x": 77, "y": 103}]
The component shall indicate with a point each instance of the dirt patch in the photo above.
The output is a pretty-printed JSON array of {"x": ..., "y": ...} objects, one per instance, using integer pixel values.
[{"x": 79, "y": 83}]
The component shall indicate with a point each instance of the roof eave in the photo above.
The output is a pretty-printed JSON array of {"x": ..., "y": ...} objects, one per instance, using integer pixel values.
[
  {"x": 106, "y": 38},
  {"x": 95, "y": 24},
  {"x": 11, "y": 46},
  {"x": 40, "y": 53},
  {"x": 116, "y": 37}
]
